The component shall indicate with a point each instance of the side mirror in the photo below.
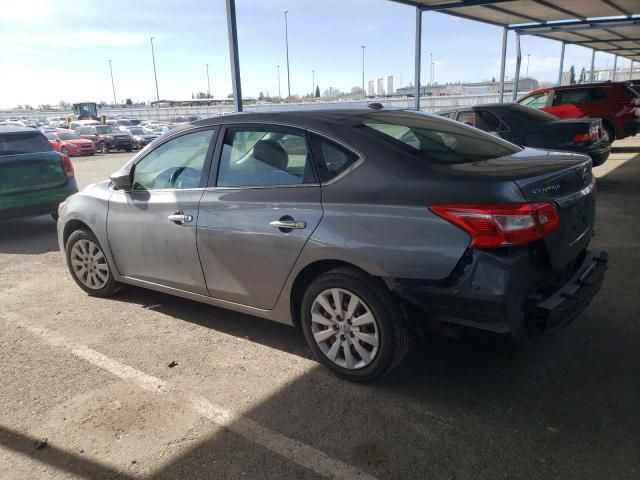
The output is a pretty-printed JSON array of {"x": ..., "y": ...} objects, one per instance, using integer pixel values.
[{"x": 121, "y": 180}]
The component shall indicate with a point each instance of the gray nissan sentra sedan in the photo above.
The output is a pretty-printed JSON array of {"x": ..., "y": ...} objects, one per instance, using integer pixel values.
[{"x": 363, "y": 227}]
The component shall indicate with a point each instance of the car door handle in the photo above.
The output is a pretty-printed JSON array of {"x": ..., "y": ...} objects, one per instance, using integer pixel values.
[
  {"x": 288, "y": 224},
  {"x": 180, "y": 218}
]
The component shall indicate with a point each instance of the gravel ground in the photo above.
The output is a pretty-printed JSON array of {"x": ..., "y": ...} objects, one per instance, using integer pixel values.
[{"x": 87, "y": 390}]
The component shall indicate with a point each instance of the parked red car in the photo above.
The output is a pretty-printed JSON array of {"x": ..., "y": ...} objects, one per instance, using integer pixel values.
[
  {"x": 70, "y": 144},
  {"x": 616, "y": 103}
]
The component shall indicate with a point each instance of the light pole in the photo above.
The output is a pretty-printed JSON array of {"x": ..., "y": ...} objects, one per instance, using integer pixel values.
[
  {"x": 208, "y": 83},
  {"x": 286, "y": 40},
  {"x": 363, "y": 90},
  {"x": 313, "y": 82},
  {"x": 433, "y": 72},
  {"x": 431, "y": 69},
  {"x": 279, "y": 96},
  {"x": 113, "y": 87},
  {"x": 527, "y": 74},
  {"x": 155, "y": 74}
]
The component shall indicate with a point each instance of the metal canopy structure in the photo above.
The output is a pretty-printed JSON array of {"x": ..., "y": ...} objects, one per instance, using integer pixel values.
[{"x": 610, "y": 26}]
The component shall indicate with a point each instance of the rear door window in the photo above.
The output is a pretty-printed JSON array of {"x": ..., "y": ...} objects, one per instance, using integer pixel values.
[
  {"x": 20, "y": 143},
  {"x": 566, "y": 97}
]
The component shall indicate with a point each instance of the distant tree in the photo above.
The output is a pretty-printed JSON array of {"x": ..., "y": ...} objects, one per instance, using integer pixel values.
[
  {"x": 44, "y": 106},
  {"x": 493, "y": 79},
  {"x": 203, "y": 95},
  {"x": 261, "y": 96},
  {"x": 64, "y": 105},
  {"x": 103, "y": 104},
  {"x": 128, "y": 102},
  {"x": 230, "y": 95},
  {"x": 28, "y": 107},
  {"x": 572, "y": 75},
  {"x": 356, "y": 90},
  {"x": 317, "y": 91},
  {"x": 583, "y": 76}
]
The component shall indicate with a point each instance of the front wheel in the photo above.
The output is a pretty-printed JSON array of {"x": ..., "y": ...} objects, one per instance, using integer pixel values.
[
  {"x": 104, "y": 148},
  {"x": 88, "y": 265},
  {"x": 353, "y": 325}
]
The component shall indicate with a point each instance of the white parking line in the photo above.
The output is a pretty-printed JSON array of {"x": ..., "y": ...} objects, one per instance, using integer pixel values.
[{"x": 291, "y": 449}]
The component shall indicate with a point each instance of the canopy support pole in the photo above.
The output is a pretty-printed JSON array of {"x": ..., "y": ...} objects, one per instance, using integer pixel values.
[
  {"x": 503, "y": 61},
  {"x": 593, "y": 60},
  {"x": 516, "y": 79},
  {"x": 615, "y": 67},
  {"x": 233, "y": 55},
  {"x": 561, "y": 64},
  {"x": 418, "y": 49},
  {"x": 631, "y": 71}
]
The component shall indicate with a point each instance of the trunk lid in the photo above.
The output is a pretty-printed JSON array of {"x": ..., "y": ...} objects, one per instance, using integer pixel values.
[
  {"x": 572, "y": 191},
  {"x": 562, "y": 178}
]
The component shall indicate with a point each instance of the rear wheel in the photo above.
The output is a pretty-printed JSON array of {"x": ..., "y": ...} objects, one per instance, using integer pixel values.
[
  {"x": 88, "y": 265},
  {"x": 104, "y": 148},
  {"x": 353, "y": 325},
  {"x": 609, "y": 133}
]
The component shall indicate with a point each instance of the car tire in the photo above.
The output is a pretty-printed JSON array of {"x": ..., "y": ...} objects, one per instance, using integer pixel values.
[
  {"x": 375, "y": 316},
  {"x": 64, "y": 151},
  {"x": 128, "y": 150},
  {"x": 104, "y": 148},
  {"x": 85, "y": 254},
  {"x": 609, "y": 132}
]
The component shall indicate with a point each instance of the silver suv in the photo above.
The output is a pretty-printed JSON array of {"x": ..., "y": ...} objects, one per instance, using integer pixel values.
[{"x": 359, "y": 226}]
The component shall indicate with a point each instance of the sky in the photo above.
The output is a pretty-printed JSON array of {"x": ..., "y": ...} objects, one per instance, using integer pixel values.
[{"x": 55, "y": 50}]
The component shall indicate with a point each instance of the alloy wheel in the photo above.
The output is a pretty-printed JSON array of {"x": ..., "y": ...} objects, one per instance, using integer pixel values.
[
  {"x": 89, "y": 264},
  {"x": 344, "y": 328}
]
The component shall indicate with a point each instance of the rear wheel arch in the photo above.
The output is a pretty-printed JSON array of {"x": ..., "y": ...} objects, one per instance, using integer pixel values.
[{"x": 307, "y": 275}]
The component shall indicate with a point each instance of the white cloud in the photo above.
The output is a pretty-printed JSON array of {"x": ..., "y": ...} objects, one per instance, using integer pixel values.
[{"x": 27, "y": 12}]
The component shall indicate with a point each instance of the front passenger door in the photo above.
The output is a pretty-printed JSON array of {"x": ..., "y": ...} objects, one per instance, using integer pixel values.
[{"x": 152, "y": 228}]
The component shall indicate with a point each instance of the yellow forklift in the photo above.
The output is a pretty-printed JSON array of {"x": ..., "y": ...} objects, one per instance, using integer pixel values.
[{"x": 85, "y": 111}]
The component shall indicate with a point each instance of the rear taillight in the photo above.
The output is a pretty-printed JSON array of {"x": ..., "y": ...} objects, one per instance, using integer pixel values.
[
  {"x": 494, "y": 225},
  {"x": 67, "y": 166},
  {"x": 583, "y": 137}
]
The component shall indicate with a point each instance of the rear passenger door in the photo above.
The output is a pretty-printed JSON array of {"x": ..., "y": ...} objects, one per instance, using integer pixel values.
[{"x": 260, "y": 208}]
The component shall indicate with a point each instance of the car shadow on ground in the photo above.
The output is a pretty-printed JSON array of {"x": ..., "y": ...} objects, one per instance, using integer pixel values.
[
  {"x": 484, "y": 406},
  {"x": 28, "y": 236}
]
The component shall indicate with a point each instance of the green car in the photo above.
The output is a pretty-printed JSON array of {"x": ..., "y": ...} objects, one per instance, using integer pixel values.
[{"x": 34, "y": 178}]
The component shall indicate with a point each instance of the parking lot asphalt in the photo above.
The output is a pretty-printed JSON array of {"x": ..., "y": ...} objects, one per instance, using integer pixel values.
[{"x": 87, "y": 390}]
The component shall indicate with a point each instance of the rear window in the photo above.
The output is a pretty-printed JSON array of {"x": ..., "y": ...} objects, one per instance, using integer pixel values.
[
  {"x": 529, "y": 114},
  {"x": 437, "y": 139},
  {"x": 19, "y": 143}
]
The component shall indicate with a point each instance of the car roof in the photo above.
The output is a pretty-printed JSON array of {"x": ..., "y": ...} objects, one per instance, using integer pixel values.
[
  {"x": 316, "y": 118},
  {"x": 580, "y": 85},
  {"x": 13, "y": 129}
]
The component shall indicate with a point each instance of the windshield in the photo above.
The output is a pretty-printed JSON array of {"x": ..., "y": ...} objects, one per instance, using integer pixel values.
[
  {"x": 436, "y": 138},
  {"x": 102, "y": 129},
  {"x": 137, "y": 131}
]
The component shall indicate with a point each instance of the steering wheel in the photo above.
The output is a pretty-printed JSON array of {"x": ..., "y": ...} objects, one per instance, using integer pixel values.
[{"x": 174, "y": 176}]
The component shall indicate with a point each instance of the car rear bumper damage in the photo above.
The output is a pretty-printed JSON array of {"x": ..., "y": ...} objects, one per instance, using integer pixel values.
[{"x": 507, "y": 292}]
